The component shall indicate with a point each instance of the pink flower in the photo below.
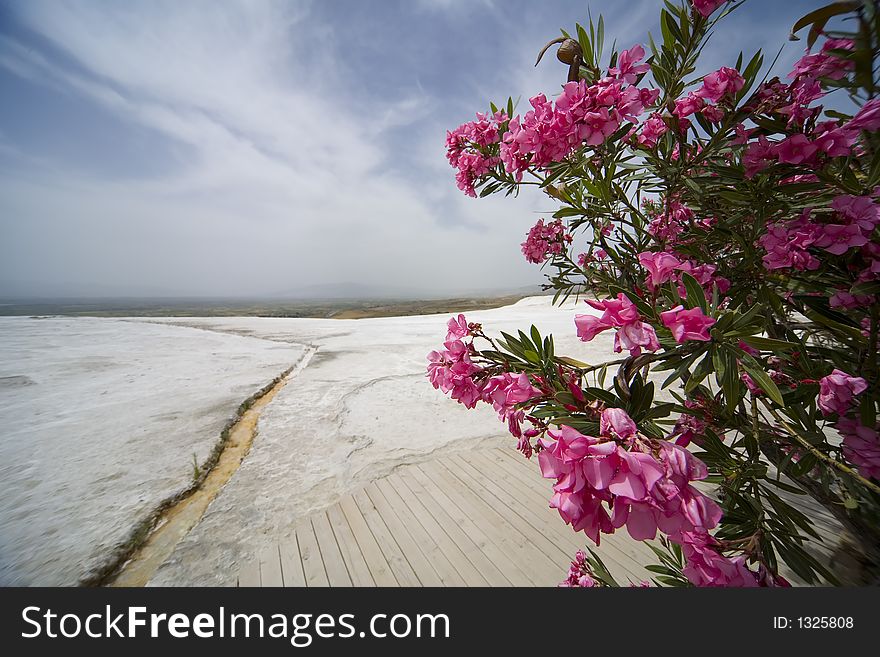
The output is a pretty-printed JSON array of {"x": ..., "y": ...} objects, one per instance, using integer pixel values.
[
  {"x": 661, "y": 267},
  {"x": 627, "y": 68},
  {"x": 706, "y": 7},
  {"x": 688, "y": 105},
  {"x": 838, "y": 239},
  {"x": 687, "y": 324},
  {"x": 868, "y": 117},
  {"x": 843, "y": 299},
  {"x": 836, "y": 391},
  {"x": 579, "y": 573},
  {"x": 635, "y": 336},
  {"x": 713, "y": 113},
  {"x": 457, "y": 328},
  {"x": 688, "y": 427},
  {"x": 795, "y": 150},
  {"x": 598, "y": 126},
  {"x": 706, "y": 566},
  {"x": 824, "y": 64},
  {"x": 507, "y": 390},
  {"x": 786, "y": 244},
  {"x": 757, "y": 156},
  {"x": 859, "y": 210},
  {"x": 466, "y": 149},
  {"x": 652, "y": 130},
  {"x": 622, "y": 314},
  {"x": 543, "y": 241},
  {"x": 861, "y": 447},
  {"x": 615, "y": 422},
  {"x": 722, "y": 82}
]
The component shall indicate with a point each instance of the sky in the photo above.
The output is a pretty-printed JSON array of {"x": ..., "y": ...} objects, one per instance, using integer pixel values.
[{"x": 222, "y": 148}]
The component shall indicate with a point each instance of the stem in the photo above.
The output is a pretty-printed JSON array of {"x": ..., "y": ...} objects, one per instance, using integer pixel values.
[{"x": 822, "y": 456}]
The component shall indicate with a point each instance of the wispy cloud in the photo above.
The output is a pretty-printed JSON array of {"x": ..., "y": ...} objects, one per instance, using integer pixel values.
[{"x": 305, "y": 141}]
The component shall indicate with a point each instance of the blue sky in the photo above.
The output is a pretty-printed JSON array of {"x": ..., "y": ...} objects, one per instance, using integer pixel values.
[{"x": 251, "y": 148}]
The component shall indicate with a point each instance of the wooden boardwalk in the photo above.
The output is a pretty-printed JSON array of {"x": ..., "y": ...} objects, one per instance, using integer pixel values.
[{"x": 477, "y": 518}]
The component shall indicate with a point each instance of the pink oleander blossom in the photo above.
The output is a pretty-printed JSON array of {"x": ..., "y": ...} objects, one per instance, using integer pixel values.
[
  {"x": 579, "y": 573},
  {"x": 713, "y": 113},
  {"x": 652, "y": 129},
  {"x": 504, "y": 392},
  {"x": 837, "y": 390},
  {"x": 706, "y": 566},
  {"x": 838, "y": 239},
  {"x": 861, "y": 211},
  {"x": 687, "y": 324},
  {"x": 758, "y": 155},
  {"x": 868, "y": 117},
  {"x": 628, "y": 68},
  {"x": 545, "y": 240},
  {"x": 661, "y": 267},
  {"x": 706, "y": 7},
  {"x": 688, "y": 105},
  {"x": 861, "y": 447},
  {"x": 457, "y": 327},
  {"x": 466, "y": 149},
  {"x": 622, "y": 314},
  {"x": 725, "y": 81},
  {"x": 796, "y": 149},
  {"x": 844, "y": 299},
  {"x": 616, "y": 423},
  {"x": 787, "y": 244},
  {"x": 647, "y": 487}
]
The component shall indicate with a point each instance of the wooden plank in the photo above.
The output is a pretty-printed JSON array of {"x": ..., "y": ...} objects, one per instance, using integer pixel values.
[
  {"x": 270, "y": 567},
  {"x": 291, "y": 563},
  {"x": 357, "y": 566},
  {"x": 310, "y": 553},
  {"x": 519, "y": 515},
  {"x": 401, "y": 568},
  {"x": 334, "y": 565},
  {"x": 498, "y": 526},
  {"x": 413, "y": 554},
  {"x": 499, "y": 545},
  {"x": 446, "y": 572},
  {"x": 379, "y": 568},
  {"x": 249, "y": 575},
  {"x": 463, "y": 543}
]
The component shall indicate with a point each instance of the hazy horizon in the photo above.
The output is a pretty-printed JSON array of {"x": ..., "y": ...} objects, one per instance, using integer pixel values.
[{"x": 245, "y": 150}]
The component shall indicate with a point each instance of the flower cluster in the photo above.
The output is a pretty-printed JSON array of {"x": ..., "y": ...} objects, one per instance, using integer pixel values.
[
  {"x": 582, "y": 114},
  {"x": 467, "y": 149},
  {"x": 787, "y": 244},
  {"x": 622, "y": 479},
  {"x": 622, "y": 314},
  {"x": 664, "y": 266},
  {"x": 545, "y": 240},
  {"x": 836, "y": 392},
  {"x": 451, "y": 369},
  {"x": 687, "y": 325},
  {"x": 706, "y": 566},
  {"x": 504, "y": 392},
  {"x": 861, "y": 446},
  {"x": 579, "y": 573}
]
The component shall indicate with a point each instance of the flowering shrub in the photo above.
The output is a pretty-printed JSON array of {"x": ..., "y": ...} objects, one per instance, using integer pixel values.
[{"x": 727, "y": 231}]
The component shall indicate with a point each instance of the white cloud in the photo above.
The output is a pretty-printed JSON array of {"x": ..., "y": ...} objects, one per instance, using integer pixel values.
[{"x": 286, "y": 176}]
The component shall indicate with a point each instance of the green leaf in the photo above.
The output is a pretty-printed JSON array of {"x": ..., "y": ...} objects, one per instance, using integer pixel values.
[
  {"x": 768, "y": 344},
  {"x": 763, "y": 381},
  {"x": 866, "y": 287},
  {"x": 822, "y": 15},
  {"x": 696, "y": 297}
]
